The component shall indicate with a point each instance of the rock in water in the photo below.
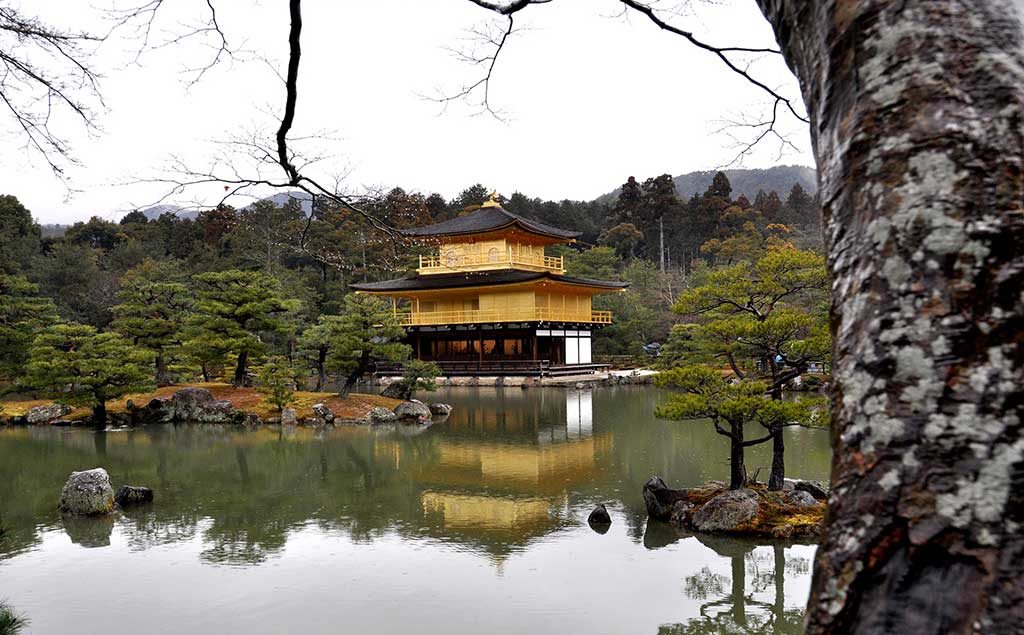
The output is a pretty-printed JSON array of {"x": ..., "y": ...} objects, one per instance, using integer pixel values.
[
  {"x": 440, "y": 409},
  {"x": 87, "y": 493},
  {"x": 413, "y": 409},
  {"x": 288, "y": 417},
  {"x": 46, "y": 414},
  {"x": 659, "y": 499},
  {"x": 599, "y": 516},
  {"x": 133, "y": 495},
  {"x": 379, "y": 414},
  {"x": 323, "y": 413},
  {"x": 727, "y": 511}
]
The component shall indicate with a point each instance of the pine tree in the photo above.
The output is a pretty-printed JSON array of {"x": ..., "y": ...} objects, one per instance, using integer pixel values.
[
  {"x": 153, "y": 308},
  {"x": 659, "y": 202},
  {"x": 766, "y": 319},
  {"x": 19, "y": 236},
  {"x": 720, "y": 186},
  {"x": 78, "y": 366},
  {"x": 366, "y": 331},
  {"x": 313, "y": 346},
  {"x": 233, "y": 308},
  {"x": 627, "y": 207},
  {"x": 277, "y": 378},
  {"x": 22, "y": 314},
  {"x": 705, "y": 394}
]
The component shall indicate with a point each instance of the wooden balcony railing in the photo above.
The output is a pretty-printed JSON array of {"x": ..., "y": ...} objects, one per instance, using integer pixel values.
[
  {"x": 437, "y": 264},
  {"x": 484, "y": 316}
]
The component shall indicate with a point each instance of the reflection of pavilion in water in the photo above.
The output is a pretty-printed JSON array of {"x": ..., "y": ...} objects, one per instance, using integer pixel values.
[{"x": 501, "y": 472}]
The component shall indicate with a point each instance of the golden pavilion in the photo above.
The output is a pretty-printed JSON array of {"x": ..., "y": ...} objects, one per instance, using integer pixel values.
[{"x": 490, "y": 301}]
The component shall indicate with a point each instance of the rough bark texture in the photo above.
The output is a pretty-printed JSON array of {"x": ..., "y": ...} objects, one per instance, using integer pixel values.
[{"x": 916, "y": 111}]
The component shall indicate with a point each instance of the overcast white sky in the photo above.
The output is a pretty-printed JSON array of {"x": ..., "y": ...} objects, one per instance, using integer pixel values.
[{"x": 591, "y": 97}]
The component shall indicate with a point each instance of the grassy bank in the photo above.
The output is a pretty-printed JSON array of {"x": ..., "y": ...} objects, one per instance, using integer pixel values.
[{"x": 246, "y": 399}]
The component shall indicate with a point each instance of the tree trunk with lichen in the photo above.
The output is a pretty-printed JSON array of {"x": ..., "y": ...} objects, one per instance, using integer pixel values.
[{"x": 917, "y": 120}]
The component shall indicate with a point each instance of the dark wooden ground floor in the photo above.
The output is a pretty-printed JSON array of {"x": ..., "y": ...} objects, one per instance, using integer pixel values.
[{"x": 526, "y": 349}]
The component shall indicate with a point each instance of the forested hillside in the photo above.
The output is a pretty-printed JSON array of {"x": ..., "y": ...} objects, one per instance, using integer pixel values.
[
  {"x": 780, "y": 178},
  {"x": 109, "y": 276}
]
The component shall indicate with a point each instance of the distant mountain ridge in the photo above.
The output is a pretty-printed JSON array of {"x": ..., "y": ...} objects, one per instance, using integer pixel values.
[
  {"x": 780, "y": 178},
  {"x": 279, "y": 199},
  {"x": 153, "y": 213}
]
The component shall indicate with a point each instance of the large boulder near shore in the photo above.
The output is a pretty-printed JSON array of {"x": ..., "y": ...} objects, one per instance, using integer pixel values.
[
  {"x": 288, "y": 417},
  {"x": 752, "y": 511},
  {"x": 87, "y": 493},
  {"x": 323, "y": 413},
  {"x": 133, "y": 495},
  {"x": 727, "y": 511},
  {"x": 379, "y": 414},
  {"x": 46, "y": 414},
  {"x": 660, "y": 499},
  {"x": 188, "y": 405},
  {"x": 197, "y": 405},
  {"x": 413, "y": 410}
]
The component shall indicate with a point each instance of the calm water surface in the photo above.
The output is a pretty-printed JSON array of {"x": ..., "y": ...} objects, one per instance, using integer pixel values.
[{"x": 476, "y": 524}]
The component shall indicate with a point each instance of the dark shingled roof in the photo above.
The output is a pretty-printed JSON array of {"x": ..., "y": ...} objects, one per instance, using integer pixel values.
[
  {"x": 488, "y": 219},
  {"x": 478, "y": 278}
]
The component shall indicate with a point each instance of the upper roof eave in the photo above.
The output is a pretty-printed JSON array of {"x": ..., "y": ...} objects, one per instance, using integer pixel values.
[
  {"x": 440, "y": 282},
  {"x": 488, "y": 219}
]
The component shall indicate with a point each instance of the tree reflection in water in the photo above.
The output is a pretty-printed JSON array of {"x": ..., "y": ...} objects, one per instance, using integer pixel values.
[
  {"x": 509, "y": 470},
  {"x": 728, "y": 604}
]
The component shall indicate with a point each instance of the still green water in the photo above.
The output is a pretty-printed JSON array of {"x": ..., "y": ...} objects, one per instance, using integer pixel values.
[{"x": 473, "y": 525}]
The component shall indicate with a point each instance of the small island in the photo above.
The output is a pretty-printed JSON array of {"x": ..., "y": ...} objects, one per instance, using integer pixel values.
[{"x": 795, "y": 512}]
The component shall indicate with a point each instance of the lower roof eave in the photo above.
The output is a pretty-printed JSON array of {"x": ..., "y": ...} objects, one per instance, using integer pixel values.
[{"x": 509, "y": 326}]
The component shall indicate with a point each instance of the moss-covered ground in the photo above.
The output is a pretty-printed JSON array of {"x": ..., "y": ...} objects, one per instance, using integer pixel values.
[
  {"x": 776, "y": 517},
  {"x": 245, "y": 399}
]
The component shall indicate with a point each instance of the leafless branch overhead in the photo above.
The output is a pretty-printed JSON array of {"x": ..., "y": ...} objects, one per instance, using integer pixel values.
[
  {"x": 731, "y": 56},
  {"x": 45, "y": 72}
]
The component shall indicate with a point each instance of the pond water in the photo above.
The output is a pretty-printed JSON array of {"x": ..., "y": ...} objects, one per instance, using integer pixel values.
[{"x": 476, "y": 524}]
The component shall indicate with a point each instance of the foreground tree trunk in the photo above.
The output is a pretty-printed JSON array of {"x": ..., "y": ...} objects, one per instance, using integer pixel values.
[{"x": 916, "y": 115}]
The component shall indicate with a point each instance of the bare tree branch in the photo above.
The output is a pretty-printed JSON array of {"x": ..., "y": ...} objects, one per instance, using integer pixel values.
[
  {"x": 489, "y": 40},
  {"x": 726, "y": 54},
  {"x": 720, "y": 52},
  {"x": 45, "y": 71}
]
